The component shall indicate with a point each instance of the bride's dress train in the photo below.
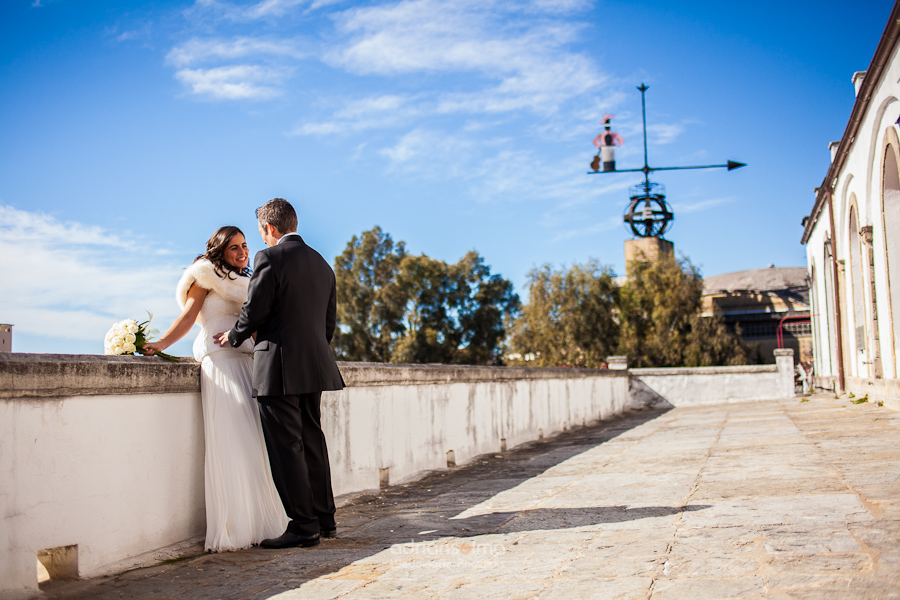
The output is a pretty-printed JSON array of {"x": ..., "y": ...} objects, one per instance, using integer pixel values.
[{"x": 242, "y": 505}]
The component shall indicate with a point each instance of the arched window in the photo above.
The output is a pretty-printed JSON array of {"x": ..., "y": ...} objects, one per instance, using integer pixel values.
[
  {"x": 856, "y": 282},
  {"x": 891, "y": 207}
]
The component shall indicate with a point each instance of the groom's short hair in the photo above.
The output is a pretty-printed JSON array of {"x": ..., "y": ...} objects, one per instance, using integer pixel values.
[{"x": 278, "y": 213}]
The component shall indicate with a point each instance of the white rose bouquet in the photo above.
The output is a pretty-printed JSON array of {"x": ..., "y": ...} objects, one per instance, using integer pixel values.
[{"x": 129, "y": 336}]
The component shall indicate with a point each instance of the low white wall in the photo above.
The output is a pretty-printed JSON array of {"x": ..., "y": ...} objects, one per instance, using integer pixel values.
[
  {"x": 693, "y": 386},
  {"x": 116, "y": 475},
  {"x": 411, "y": 428},
  {"x": 106, "y": 453}
]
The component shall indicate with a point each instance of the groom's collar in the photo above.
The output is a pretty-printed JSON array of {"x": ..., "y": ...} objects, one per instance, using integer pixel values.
[{"x": 288, "y": 235}]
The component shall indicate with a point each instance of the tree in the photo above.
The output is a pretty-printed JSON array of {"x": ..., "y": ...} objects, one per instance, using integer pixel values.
[
  {"x": 661, "y": 319},
  {"x": 370, "y": 306},
  {"x": 486, "y": 303},
  {"x": 455, "y": 314},
  {"x": 430, "y": 335},
  {"x": 570, "y": 318},
  {"x": 395, "y": 307}
]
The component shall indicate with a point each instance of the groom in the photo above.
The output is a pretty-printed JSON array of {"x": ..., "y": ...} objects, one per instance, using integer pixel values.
[{"x": 291, "y": 306}]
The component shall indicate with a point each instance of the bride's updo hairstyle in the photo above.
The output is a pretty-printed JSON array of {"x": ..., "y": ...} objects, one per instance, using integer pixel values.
[{"x": 215, "y": 252}]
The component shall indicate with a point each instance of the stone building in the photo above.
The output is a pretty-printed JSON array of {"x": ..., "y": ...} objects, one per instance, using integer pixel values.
[
  {"x": 769, "y": 306},
  {"x": 5, "y": 338},
  {"x": 852, "y": 241}
]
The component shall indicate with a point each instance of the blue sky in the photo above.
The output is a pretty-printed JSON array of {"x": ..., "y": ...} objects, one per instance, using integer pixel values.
[{"x": 132, "y": 130}]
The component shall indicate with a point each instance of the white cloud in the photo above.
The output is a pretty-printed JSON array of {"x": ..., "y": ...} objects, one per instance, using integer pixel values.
[
  {"x": 197, "y": 50},
  {"x": 514, "y": 174},
  {"x": 238, "y": 82},
  {"x": 498, "y": 171},
  {"x": 511, "y": 57},
  {"x": 433, "y": 154},
  {"x": 377, "y": 104},
  {"x": 265, "y": 10},
  {"x": 410, "y": 146},
  {"x": 538, "y": 88},
  {"x": 524, "y": 63},
  {"x": 322, "y": 3},
  {"x": 608, "y": 224},
  {"x": 665, "y": 133},
  {"x": 72, "y": 280},
  {"x": 386, "y": 110},
  {"x": 702, "y": 205},
  {"x": 560, "y": 6},
  {"x": 271, "y": 8},
  {"x": 23, "y": 227},
  {"x": 503, "y": 60}
]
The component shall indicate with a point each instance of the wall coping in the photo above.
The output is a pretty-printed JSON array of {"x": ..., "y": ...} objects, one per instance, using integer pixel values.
[
  {"x": 724, "y": 370},
  {"x": 373, "y": 374},
  {"x": 61, "y": 375}
]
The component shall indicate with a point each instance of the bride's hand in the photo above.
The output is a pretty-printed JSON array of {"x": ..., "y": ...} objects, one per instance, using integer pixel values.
[{"x": 150, "y": 348}]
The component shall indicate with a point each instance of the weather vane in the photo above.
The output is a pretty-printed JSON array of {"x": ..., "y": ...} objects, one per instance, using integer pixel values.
[{"x": 648, "y": 214}]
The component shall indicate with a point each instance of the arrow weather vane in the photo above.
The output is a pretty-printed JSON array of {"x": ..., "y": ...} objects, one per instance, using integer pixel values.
[{"x": 655, "y": 217}]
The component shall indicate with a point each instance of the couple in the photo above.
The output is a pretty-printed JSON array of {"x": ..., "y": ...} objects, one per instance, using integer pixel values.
[{"x": 288, "y": 305}]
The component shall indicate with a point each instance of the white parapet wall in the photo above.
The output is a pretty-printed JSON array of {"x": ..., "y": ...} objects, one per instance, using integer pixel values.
[
  {"x": 693, "y": 386},
  {"x": 100, "y": 453},
  {"x": 101, "y": 458},
  {"x": 396, "y": 421}
]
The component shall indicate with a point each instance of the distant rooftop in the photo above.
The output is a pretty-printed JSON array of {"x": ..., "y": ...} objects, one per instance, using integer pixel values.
[{"x": 773, "y": 279}]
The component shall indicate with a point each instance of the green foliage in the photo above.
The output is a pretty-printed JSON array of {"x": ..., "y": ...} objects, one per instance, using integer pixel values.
[
  {"x": 862, "y": 400},
  {"x": 404, "y": 308},
  {"x": 370, "y": 306},
  {"x": 430, "y": 334},
  {"x": 454, "y": 313},
  {"x": 396, "y": 307},
  {"x": 661, "y": 319},
  {"x": 570, "y": 318},
  {"x": 486, "y": 303},
  {"x": 579, "y": 316}
]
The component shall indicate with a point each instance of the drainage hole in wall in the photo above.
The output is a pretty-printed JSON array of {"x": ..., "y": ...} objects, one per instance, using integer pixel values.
[{"x": 58, "y": 563}]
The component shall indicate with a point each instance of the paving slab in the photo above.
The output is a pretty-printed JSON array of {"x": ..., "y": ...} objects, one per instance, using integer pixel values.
[{"x": 781, "y": 499}]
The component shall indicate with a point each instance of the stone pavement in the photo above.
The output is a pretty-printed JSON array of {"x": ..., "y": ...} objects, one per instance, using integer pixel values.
[{"x": 777, "y": 499}]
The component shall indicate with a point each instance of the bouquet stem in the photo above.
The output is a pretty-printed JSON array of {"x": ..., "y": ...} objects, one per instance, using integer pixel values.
[{"x": 168, "y": 357}]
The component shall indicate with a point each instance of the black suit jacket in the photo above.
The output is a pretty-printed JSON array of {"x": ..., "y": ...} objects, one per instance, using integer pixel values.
[{"x": 291, "y": 305}]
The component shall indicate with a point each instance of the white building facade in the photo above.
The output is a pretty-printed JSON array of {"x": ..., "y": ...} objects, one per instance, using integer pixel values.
[{"x": 852, "y": 239}]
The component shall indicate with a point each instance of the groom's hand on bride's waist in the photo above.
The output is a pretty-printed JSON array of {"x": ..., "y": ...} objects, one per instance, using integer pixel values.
[{"x": 222, "y": 338}]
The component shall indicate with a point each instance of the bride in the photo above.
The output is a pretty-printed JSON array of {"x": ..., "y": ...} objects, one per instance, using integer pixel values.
[{"x": 242, "y": 505}]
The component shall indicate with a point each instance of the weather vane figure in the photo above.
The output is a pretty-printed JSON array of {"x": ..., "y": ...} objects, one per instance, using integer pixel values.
[
  {"x": 648, "y": 214},
  {"x": 606, "y": 144}
]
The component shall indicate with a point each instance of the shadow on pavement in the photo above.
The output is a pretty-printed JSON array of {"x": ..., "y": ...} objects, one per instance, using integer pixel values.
[
  {"x": 422, "y": 527},
  {"x": 417, "y": 511}
]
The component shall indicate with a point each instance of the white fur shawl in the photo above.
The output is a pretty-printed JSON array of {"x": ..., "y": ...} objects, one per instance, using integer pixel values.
[{"x": 204, "y": 274}]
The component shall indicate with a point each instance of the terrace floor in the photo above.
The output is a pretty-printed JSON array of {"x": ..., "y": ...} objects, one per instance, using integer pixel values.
[{"x": 795, "y": 498}]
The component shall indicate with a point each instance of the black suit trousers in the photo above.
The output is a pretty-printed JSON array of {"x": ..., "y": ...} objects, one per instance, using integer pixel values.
[{"x": 298, "y": 457}]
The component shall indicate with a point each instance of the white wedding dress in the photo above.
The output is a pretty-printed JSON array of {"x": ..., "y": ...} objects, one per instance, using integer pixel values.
[{"x": 242, "y": 505}]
